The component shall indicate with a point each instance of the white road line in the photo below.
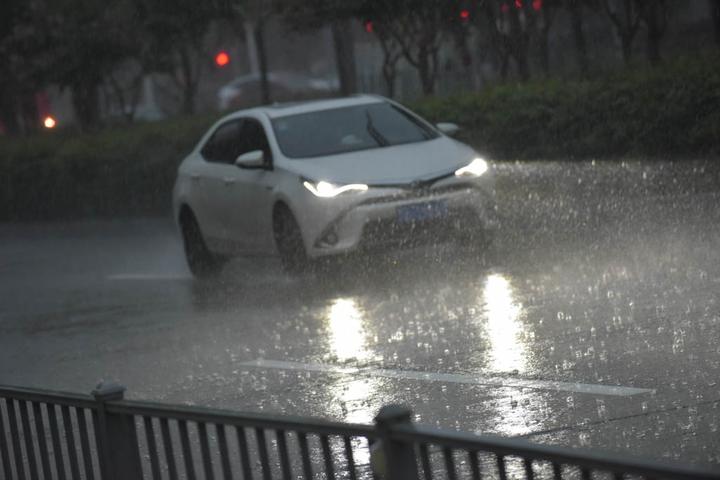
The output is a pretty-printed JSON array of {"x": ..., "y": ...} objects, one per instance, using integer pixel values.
[
  {"x": 147, "y": 276},
  {"x": 589, "y": 388}
]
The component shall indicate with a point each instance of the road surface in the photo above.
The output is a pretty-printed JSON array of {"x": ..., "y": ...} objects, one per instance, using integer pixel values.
[{"x": 597, "y": 325}]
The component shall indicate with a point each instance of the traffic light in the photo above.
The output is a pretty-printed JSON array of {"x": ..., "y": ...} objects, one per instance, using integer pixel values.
[
  {"x": 222, "y": 59},
  {"x": 464, "y": 15}
]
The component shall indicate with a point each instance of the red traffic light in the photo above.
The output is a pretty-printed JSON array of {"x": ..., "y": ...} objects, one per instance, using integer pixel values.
[
  {"x": 369, "y": 26},
  {"x": 222, "y": 59},
  {"x": 464, "y": 15}
]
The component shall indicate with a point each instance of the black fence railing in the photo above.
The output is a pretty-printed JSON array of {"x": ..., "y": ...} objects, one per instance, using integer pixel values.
[{"x": 55, "y": 435}]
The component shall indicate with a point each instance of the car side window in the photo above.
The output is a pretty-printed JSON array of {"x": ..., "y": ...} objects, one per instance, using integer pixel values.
[
  {"x": 225, "y": 143},
  {"x": 254, "y": 137}
]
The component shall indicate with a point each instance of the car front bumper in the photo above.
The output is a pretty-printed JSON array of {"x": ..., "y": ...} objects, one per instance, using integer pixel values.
[{"x": 378, "y": 219}]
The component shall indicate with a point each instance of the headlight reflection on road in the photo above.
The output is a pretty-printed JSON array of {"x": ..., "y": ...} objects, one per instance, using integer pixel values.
[
  {"x": 347, "y": 342},
  {"x": 516, "y": 410},
  {"x": 347, "y": 335},
  {"x": 507, "y": 350}
]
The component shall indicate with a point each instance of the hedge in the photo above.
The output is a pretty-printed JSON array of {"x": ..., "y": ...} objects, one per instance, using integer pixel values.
[
  {"x": 663, "y": 112},
  {"x": 672, "y": 111}
]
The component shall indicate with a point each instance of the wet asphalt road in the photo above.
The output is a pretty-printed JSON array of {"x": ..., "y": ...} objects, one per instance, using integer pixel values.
[{"x": 596, "y": 325}]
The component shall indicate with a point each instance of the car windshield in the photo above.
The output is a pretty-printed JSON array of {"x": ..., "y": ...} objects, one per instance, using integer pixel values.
[{"x": 348, "y": 129}]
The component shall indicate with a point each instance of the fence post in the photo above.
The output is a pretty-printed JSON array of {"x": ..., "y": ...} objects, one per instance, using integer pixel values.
[
  {"x": 116, "y": 437},
  {"x": 395, "y": 459}
]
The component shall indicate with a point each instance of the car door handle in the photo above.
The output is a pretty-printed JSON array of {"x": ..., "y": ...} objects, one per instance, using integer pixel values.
[
  {"x": 195, "y": 177},
  {"x": 228, "y": 181}
]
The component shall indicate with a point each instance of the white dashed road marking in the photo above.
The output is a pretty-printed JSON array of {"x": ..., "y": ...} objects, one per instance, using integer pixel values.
[{"x": 588, "y": 388}]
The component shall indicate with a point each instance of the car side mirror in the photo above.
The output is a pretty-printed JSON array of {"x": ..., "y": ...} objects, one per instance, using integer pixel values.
[
  {"x": 449, "y": 129},
  {"x": 254, "y": 159}
]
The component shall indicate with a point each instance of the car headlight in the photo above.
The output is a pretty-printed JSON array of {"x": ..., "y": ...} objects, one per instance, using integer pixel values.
[
  {"x": 473, "y": 169},
  {"x": 329, "y": 190}
]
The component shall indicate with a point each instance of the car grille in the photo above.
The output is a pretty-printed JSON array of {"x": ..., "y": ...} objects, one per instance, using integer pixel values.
[{"x": 459, "y": 224}]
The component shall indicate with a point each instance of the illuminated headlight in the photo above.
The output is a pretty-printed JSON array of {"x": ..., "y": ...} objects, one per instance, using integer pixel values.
[
  {"x": 474, "y": 169},
  {"x": 329, "y": 190}
]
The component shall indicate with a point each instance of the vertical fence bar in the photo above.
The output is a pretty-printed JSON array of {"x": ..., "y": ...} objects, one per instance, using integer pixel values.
[
  {"x": 263, "y": 451},
  {"x": 187, "y": 452},
  {"x": 70, "y": 442},
  {"x": 57, "y": 445},
  {"x": 205, "y": 451},
  {"x": 117, "y": 439},
  {"x": 501, "y": 466},
  {"x": 152, "y": 447},
  {"x": 350, "y": 457},
  {"x": 24, "y": 411},
  {"x": 85, "y": 442},
  {"x": 474, "y": 465},
  {"x": 305, "y": 454},
  {"x": 15, "y": 438},
  {"x": 400, "y": 462},
  {"x": 223, "y": 449},
  {"x": 168, "y": 447},
  {"x": 283, "y": 453},
  {"x": 41, "y": 432},
  {"x": 244, "y": 452},
  {"x": 327, "y": 455},
  {"x": 4, "y": 445},
  {"x": 557, "y": 471},
  {"x": 449, "y": 463},
  {"x": 529, "y": 472},
  {"x": 425, "y": 460}
]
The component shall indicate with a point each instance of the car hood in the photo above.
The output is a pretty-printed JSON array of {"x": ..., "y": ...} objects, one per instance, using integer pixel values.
[{"x": 387, "y": 165}]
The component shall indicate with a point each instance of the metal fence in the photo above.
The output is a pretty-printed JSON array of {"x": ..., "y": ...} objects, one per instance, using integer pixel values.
[{"x": 55, "y": 435}]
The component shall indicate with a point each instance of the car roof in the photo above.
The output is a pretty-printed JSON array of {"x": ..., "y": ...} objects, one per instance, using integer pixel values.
[{"x": 293, "y": 108}]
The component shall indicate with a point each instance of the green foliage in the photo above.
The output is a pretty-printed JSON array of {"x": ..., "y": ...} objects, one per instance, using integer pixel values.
[
  {"x": 668, "y": 111},
  {"x": 120, "y": 172},
  {"x": 673, "y": 111}
]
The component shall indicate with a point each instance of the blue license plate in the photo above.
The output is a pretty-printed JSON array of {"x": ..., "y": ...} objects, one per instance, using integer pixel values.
[{"x": 421, "y": 212}]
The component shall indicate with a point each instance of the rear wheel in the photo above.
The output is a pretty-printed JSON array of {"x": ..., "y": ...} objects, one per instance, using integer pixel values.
[
  {"x": 289, "y": 242},
  {"x": 202, "y": 262}
]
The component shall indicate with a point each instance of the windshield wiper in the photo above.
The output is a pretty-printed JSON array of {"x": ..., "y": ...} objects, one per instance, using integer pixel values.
[{"x": 377, "y": 136}]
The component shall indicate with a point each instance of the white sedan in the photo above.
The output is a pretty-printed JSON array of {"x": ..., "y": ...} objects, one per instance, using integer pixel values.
[{"x": 328, "y": 177}]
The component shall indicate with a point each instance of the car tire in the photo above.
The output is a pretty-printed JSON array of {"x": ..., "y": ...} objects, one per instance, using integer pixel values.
[
  {"x": 201, "y": 261},
  {"x": 289, "y": 242}
]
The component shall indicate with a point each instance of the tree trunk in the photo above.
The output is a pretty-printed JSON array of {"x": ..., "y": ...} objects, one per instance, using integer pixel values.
[
  {"x": 426, "y": 70},
  {"x": 265, "y": 94},
  {"x": 545, "y": 51},
  {"x": 8, "y": 115},
  {"x": 626, "y": 44},
  {"x": 188, "y": 80},
  {"x": 389, "y": 74},
  {"x": 344, "y": 56},
  {"x": 715, "y": 14},
  {"x": 655, "y": 18},
  {"x": 86, "y": 103},
  {"x": 518, "y": 42},
  {"x": 579, "y": 37}
]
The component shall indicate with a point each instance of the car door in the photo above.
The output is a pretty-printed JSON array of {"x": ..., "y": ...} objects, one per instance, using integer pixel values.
[
  {"x": 248, "y": 197},
  {"x": 215, "y": 179}
]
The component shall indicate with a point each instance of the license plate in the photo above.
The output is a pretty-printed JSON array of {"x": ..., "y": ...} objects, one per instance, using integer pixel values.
[{"x": 420, "y": 212}]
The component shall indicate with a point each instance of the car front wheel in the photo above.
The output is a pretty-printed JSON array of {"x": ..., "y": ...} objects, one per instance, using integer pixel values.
[
  {"x": 289, "y": 242},
  {"x": 202, "y": 262}
]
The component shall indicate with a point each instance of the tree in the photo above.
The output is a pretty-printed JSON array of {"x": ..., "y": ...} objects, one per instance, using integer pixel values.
[
  {"x": 655, "y": 16},
  {"x": 173, "y": 32},
  {"x": 418, "y": 28},
  {"x": 626, "y": 21},
  {"x": 715, "y": 13},
  {"x": 336, "y": 14},
  {"x": 575, "y": 8}
]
